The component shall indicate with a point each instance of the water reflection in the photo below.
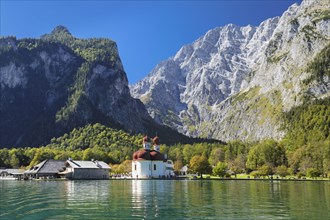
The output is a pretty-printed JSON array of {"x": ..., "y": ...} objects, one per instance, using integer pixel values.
[
  {"x": 164, "y": 199},
  {"x": 98, "y": 199},
  {"x": 139, "y": 201},
  {"x": 96, "y": 191},
  {"x": 149, "y": 197}
]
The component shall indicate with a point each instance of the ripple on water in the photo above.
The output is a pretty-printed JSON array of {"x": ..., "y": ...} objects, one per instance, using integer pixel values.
[{"x": 151, "y": 199}]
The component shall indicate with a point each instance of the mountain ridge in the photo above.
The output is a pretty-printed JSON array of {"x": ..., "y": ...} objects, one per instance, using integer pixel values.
[
  {"x": 51, "y": 85},
  {"x": 199, "y": 90}
]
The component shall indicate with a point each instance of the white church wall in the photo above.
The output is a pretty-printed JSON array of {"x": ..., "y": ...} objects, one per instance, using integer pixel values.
[{"x": 142, "y": 169}]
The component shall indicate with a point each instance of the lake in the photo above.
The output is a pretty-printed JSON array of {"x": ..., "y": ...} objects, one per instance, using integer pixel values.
[{"x": 164, "y": 199}]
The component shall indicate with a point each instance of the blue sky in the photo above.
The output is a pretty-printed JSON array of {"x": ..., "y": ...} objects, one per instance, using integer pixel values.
[{"x": 146, "y": 32}]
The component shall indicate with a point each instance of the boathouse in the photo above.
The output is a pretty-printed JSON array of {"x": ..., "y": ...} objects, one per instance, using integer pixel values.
[
  {"x": 46, "y": 169},
  {"x": 7, "y": 173},
  {"x": 149, "y": 163},
  {"x": 77, "y": 169}
]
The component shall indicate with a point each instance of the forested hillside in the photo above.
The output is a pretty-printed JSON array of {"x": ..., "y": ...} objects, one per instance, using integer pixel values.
[{"x": 305, "y": 149}]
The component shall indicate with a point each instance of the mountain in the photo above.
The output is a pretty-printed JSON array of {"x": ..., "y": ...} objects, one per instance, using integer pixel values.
[
  {"x": 239, "y": 82},
  {"x": 54, "y": 84}
]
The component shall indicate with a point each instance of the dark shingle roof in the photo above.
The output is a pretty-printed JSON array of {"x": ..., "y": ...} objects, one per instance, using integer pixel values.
[
  {"x": 48, "y": 166},
  {"x": 53, "y": 166}
]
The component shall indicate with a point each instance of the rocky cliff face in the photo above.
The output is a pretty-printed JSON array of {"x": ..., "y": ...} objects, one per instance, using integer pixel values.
[
  {"x": 58, "y": 82},
  {"x": 235, "y": 82}
]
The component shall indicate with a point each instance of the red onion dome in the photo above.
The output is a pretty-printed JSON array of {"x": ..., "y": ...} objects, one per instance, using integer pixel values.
[
  {"x": 156, "y": 140},
  {"x": 141, "y": 155},
  {"x": 155, "y": 155}
]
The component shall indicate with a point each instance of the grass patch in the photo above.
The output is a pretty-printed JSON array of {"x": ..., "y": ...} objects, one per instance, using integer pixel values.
[
  {"x": 324, "y": 15},
  {"x": 311, "y": 33},
  {"x": 273, "y": 177},
  {"x": 251, "y": 93},
  {"x": 276, "y": 59}
]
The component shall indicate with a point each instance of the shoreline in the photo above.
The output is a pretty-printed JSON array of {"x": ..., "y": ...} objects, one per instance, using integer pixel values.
[
  {"x": 178, "y": 179},
  {"x": 239, "y": 177},
  {"x": 218, "y": 178}
]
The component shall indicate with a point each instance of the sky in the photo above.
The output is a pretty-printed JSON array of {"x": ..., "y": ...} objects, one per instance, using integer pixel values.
[{"x": 146, "y": 32}]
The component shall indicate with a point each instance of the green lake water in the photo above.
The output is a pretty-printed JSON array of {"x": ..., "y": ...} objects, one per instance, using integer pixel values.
[{"x": 164, "y": 199}]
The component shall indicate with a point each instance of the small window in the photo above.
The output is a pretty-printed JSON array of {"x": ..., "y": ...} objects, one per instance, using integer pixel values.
[
  {"x": 154, "y": 166},
  {"x": 134, "y": 166}
]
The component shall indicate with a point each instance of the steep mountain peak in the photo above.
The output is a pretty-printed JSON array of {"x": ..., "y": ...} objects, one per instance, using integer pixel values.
[
  {"x": 59, "y": 33},
  {"x": 60, "y": 29}
]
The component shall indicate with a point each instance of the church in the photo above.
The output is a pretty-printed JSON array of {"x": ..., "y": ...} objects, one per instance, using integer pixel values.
[{"x": 151, "y": 163}]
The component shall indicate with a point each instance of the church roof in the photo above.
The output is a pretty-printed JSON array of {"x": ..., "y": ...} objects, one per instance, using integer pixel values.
[{"x": 144, "y": 154}]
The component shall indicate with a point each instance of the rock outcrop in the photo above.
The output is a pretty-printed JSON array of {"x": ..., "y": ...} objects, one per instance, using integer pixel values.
[
  {"x": 58, "y": 82},
  {"x": 235, "y": 82}
]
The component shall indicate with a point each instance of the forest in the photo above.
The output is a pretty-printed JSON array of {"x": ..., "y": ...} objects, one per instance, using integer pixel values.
[{"x": 304, "y": 151}]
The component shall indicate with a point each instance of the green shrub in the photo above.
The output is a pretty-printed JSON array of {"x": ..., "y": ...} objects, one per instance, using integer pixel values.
[
  {"x": 312, "y": 173},
  {"x": 255, "y": 174},
  {"x": 300, "y": 175},
  {"x": 282, "y": 171},
  {"x": 220, "y": 169},
  {"x": 265, "y": 170}
]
